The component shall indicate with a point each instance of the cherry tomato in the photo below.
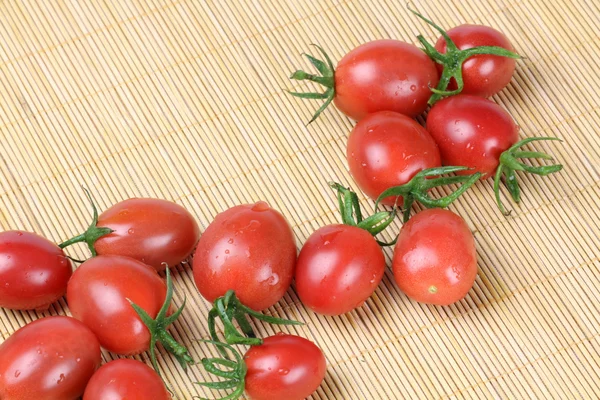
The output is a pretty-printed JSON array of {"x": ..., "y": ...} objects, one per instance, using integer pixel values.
[
  {"x": 153, "y": 231},
  {"x": 384, "y": 75},
  {"x": 435, "y": 259},
  {"x": 49, "y": 359},
  {"x": 33, "y": 271},
  {"x": 126, "y": 379},
  {"x": 471, "y": 131},
  {"x": 284, "y": 367},
  {"x": 249, "y": 249},
  {"x": 387, "y": 149},
  {"x": 333, "y": 278},
  {"x": 485, "y": 74},
  {"x": 98, "y": 295}
]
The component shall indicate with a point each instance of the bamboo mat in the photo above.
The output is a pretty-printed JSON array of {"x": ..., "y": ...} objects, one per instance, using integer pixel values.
[{"x": 183, "y": 100}]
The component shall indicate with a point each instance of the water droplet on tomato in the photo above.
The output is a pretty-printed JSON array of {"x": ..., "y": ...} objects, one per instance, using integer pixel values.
[
  {"x": 230, "y": 241},
  {"x": 19, "y": 233},
  {"x": 373, "y": 278},
  {"x": 17, "y": 373},
  {"x": 283, "y": 371},
  {"x": 364, "y": 164},
  {"x": 61, "y": 379},
  {"x": 413, "y": 88},
  {"x": 131, "y": 231},
  {"x": 261, "y": 206},
  {"x": 78, "y": 359},
  {"x": 227, "y": 251},
  {"x": 273, "y": 280}
]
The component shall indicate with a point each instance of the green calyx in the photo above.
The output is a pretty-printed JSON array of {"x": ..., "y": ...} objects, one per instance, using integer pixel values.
[
  {"x": 509, "y": 163},
  {"x": 453, "y": 60},
  {"x": 92, "y": 233},
  {"x": 326, "y": 79},
  {"x": 158, "y": 329},
  {"x": 229, "y": 308},
  {"x": 352, "y": 214},
  {"x": 233, "y": 372},
  {"x": 417, "y": 189}
]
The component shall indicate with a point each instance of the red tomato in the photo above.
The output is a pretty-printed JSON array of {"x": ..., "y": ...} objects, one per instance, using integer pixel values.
[
  {"x": 384, "y": 75},
  {"x": 249, "y": 249},
  {"x": 387, "y": 149},
  {"x": 333, "y": 278},
  {"x": 153, "y": 231},
  {"x": 126, "y": 380},
  {"x": 284, "y": 367},
  {"x": 97, "y": 295},
  {"x": 471, "y": 131},
  {"x": 33, "y": 271},
  {"x": 49, "y": 359},
  {"x": 435, "y": 259},
  {"x": 483, "y": 75}
]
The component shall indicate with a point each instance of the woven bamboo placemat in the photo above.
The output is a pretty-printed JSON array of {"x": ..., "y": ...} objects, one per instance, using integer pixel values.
[{"x": 183, "y": 100}]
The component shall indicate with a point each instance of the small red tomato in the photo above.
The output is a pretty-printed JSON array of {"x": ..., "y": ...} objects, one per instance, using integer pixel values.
[
  {"x": 387, "y": 149},
  {"x": 98, "y": 296},
  {"x": 249, "y": 249},
  {"x": 153, "y": 231},
  {"x": 484, "y": 74},
  {"x": 33, "y": 271},
  {"x": 332, "y": 277},
  {"x": 50, "y": 358},
  {"x": 471, "y": 131},
  {"x": 126, "y": 379},
  {"x": 435, "y": 259},
  {"x": 384, "y": 75},
  {"x": 284, "y": 367}
]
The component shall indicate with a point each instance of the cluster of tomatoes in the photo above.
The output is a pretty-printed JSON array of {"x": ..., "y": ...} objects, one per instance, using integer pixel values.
[{"x": 246, "y": 259}]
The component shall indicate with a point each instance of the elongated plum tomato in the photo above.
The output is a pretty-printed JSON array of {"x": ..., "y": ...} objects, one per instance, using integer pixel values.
[
  {"x": 33, "y": 271},
  {"x": 381, "y": 75},
  {"x": 249, "y": 249},
  {"x": 154, "y": 231},
  {"x": 126, "y": 379},
  {"x": 98, "y": 295},
  {"x": 483, "y": 74},
  {"x": 284, "y": 367},
  {"x": 435, "y": 259},
  {"x": 387, "y": 149},
  {"x": 471, "y": 131},
  {"x": 332, "y": 277},
  {"x": 50, "y": 358}
]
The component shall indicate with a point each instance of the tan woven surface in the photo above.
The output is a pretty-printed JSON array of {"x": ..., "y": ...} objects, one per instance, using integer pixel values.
[{"x": 183, "y": 100}]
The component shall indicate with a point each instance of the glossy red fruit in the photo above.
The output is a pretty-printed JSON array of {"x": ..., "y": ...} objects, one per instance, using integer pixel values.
[
  {"x": 249, "y": 249},
  {"x": 435, "y": 259},
  {"x": 387, "y": 149},
  {"x": 472, "y": 131},
  {"x": 98, "y": 295},
  {"x": 153, "y": 231},
  {"x": 384, "y": 75},
  {"x": 33, "y": 271},
  {"x": 126, "y": 379},
  {"x": 50, "y": 358},
  {"x": 284, "y": 367},
  {"x": 485, "y": 74},
  {"x": 332, "y": 277}
]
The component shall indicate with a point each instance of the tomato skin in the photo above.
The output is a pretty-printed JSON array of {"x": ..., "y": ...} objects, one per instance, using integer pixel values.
[
  {"x": 48, "y": 359},
  {"x": 484, "y": 75},
  {"x": 97, "y": 295},
  {"x": 284, "y": 367},
  {"x": 435, "y": 249},
  {"x": 332, "y": 278},
  {"x": 384, "y": 75},
  {"x": 472, "y": 131},
  {"x": 33, "y": 271},
  {"x": 153, "y": 231},
  {"x": 248, "y": 248},
  {"x": 126, "y": 379},
  {"x": 387, "y": 149}
]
